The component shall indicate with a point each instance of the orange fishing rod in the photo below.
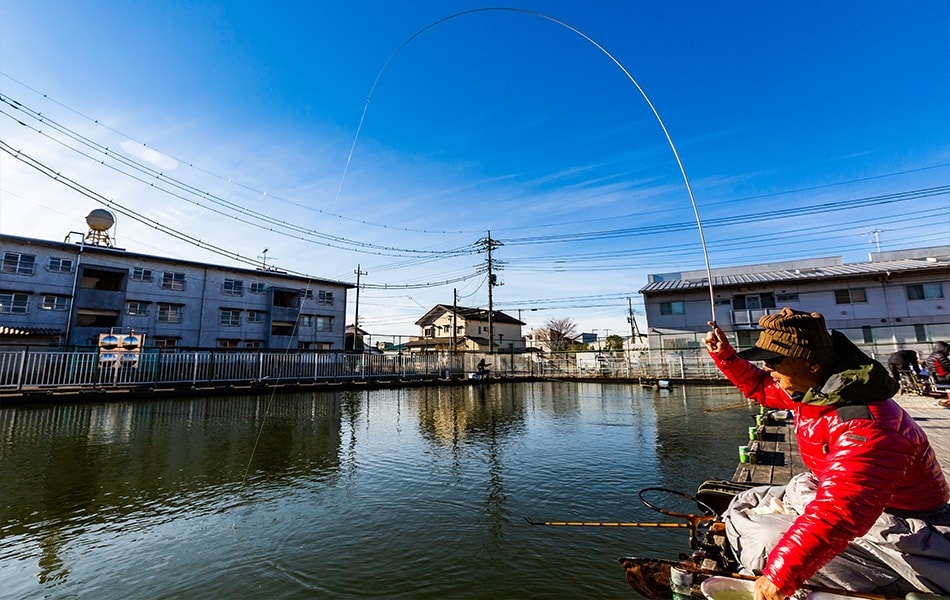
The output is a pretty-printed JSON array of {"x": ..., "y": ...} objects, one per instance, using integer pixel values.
[{"x": 602, "y": 524}]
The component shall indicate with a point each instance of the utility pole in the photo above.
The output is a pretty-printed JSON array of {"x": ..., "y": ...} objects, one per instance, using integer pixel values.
[
  {"x": 356, "y": 316},
  {"x": 455, "y": 312},
  {"x": 634, "y": 330},
  {"x": 488, "y": 245}
]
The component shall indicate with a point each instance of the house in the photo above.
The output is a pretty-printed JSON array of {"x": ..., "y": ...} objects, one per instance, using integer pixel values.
[
  {"x": 62, "y": 293},
  {"x": 447, "y": 328},
  {"x": 896, "y": 299},
  {"x": 355, "y": 338}
]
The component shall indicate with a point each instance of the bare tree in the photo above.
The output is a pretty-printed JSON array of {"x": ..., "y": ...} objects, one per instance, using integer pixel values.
[
  {"x": 613, "y": 343},
  {"x": 558, "y": 333}
]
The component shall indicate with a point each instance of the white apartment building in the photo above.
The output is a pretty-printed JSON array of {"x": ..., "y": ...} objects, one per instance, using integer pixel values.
[
  {"x": 60, "y": 293},
  {"x": 896, "y": 299}
]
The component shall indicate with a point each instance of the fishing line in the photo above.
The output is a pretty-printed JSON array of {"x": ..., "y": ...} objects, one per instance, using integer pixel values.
[{"x": 669, "y": 139}]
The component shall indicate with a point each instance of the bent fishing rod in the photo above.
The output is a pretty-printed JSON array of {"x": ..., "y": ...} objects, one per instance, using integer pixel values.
[{"x": 605, "y": 52}]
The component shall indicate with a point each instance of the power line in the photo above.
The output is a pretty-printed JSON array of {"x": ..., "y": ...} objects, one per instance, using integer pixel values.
[
  {"x": 339, "y": 243},
  {"x": 135, "y": 216},
  {"x": 783, "y": 213},
  {"x": 229, "y": 180}
]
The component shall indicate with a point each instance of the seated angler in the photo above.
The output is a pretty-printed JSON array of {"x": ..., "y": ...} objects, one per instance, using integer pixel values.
[{"x": 872, "y": 513}]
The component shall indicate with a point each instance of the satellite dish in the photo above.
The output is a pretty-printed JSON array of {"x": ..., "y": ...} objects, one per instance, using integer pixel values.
[{"x": 100, "y": 220}]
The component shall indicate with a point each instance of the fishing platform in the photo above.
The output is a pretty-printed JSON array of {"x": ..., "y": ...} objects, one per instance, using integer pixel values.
[
  {"x": 774, "y": 459},
  {"x": 773, "y": 456}
]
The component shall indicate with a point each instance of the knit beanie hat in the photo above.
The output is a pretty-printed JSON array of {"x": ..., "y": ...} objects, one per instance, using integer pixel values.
[{"x": 794, "y": 334}]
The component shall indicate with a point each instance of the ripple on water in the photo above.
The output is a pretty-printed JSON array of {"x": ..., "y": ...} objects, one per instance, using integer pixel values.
[{"x": 417, "y": 494}]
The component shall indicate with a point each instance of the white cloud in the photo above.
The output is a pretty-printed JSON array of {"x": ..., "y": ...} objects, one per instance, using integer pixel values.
[{"x": 147, "y": 154}]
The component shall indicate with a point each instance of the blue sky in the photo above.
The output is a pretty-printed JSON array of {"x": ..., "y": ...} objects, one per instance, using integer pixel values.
[{"x": 803, "y": 127}]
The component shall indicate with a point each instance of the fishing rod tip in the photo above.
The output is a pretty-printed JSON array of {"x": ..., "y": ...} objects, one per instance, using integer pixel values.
[{"x": 530, "y": 522}]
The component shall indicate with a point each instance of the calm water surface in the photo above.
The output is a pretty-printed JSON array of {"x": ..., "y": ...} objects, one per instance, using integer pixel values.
[{"x": 386, "y": 494}]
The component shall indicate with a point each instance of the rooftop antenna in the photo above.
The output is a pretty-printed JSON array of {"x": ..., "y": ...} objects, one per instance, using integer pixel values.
[{"x": 263, "y": 257}]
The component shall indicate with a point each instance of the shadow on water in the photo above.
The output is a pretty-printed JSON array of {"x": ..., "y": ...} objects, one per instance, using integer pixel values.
[{"x": 415, "y": 493}]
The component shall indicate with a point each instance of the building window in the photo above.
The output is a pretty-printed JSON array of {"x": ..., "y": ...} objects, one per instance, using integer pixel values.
[
  {"x": 255, "y": 316},
  {"x": 21, "y": 264},
  {"x": 308, "y": 294},
  {"x": 55, "y": 302},
  {"x": 855, "y": 296},
  {"x": 920, "y": 332},
  {"x": 14, "y": 303},
  {"x": 253, "y": 344},
  {"x": 924, "y": 291},
  {"x": 672, "y": 308},
  {"x": 753, "y": 301},
  {"x": 140, "y": 274},
  {"x": 228, "y": 343},
  {"x": 868, "y": 334},
  {"x": 173, "y": 281},
  {"x": 233, "y": 287},
  {"x": 257, "y": 287},
  {"x": 324, "y": 324},
  {"x": 304, "y": 345},
  {"x": 60, "y": 265},
  {"x": 137, "y": 309},
  {"x": 325, "y": 298},
  {"x": 306, "y": 320},
  {"x": 170, "y": 313},
  {"x": 783, "y": 298},
  {"x": 230, "y": 317},
  {"x": 165, "y": 342}
]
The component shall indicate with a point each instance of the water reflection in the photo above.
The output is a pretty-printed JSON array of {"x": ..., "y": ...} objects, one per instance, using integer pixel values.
[{"x": 394, "y": 493}]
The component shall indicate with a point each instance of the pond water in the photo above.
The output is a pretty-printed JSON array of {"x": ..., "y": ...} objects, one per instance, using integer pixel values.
[{"x": 417, "y": 493}]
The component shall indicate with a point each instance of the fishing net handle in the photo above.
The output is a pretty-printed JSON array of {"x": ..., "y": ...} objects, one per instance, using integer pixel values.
[{"x": 693, "y": 520}]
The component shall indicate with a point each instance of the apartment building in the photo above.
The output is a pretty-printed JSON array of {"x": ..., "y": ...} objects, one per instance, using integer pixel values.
[
  {"x": 896, "y": 299},
  {"x": 64, "y": 293}
]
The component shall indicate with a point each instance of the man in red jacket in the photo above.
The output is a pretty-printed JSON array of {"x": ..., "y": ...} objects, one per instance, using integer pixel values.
[{"x": 879, "y": 496}]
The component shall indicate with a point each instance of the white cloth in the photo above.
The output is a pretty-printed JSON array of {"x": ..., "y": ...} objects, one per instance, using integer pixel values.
[{"x": 912, "y": 552}]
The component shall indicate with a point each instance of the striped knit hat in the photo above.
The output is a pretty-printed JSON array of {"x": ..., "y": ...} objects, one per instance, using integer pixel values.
[{"x": 794, "y": 334}]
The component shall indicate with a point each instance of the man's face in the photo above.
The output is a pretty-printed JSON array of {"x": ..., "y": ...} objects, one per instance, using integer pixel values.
[{"x": 793, "y": 374}]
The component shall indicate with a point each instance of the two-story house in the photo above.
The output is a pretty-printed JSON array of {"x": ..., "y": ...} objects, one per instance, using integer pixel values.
[{"x": 446, "y": 328}]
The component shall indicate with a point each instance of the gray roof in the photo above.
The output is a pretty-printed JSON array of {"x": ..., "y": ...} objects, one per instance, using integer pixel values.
[{"x": 836, "y": 271}]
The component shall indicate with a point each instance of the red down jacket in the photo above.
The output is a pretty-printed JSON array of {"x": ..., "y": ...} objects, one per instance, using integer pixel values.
[{"x": 866, "y": 451}]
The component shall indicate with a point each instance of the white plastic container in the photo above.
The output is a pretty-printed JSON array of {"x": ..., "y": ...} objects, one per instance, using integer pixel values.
[{"x": 727, "y": 588}]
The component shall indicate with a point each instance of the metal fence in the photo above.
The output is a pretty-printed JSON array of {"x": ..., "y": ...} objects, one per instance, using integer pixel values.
[{"x": 28, "y": 370}]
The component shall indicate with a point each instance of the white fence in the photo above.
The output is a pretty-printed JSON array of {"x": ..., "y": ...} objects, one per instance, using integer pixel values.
[{"x": 38, "y": 370}]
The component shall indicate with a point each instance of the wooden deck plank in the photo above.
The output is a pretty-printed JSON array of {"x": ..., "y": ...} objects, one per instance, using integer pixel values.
[{"x": 778, "y": 458}]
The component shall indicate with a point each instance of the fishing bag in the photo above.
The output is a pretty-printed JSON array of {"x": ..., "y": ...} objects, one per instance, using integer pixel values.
[{"x": 718, "y": 493}]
